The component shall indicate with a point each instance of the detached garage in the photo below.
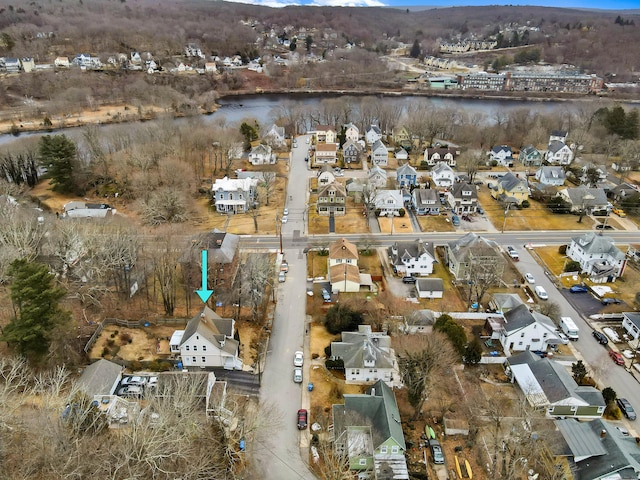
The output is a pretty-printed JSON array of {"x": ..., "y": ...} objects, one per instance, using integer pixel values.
[{"x": 430, "y": 287}]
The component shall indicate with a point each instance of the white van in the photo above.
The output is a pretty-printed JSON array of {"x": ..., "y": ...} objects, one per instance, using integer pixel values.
[{"x": 541, "y": 293}]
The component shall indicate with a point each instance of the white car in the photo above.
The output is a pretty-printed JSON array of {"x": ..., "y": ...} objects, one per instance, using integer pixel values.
[
  {"x": 298, "y": 359},
  {"x": 130, "y": 391},
  {"x": 297, "y": 375},
  {"x": 285, "y": 212},
  {"x": 529, "y": 278},
  {"x": 133, "y": 381},
  {"x": 285, "y": 218},
  {"x": 563, "y": 338}
]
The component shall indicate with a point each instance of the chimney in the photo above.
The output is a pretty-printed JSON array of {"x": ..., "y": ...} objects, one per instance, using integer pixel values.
[
  {"x": 373, "y": 391},
  {"x": 603, "y": 434}
]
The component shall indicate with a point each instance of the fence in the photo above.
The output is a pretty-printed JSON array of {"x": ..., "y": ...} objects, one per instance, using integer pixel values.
[{"x": 130, "y": 324}]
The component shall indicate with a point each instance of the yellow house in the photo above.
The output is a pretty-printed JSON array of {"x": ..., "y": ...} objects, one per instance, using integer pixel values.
[
  {"x": 510, "y": 188},
  {"x": 325, "y": 134}
]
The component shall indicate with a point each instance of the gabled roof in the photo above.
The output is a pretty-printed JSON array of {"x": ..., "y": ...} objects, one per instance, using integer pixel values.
[
  {"x": 405, "y": 251},
  {"x": 336, "y": 187},
  {"x": 344, "y": 271},
  {"x": 343, "y": 249},
  {"x": 99, "y": 378},
  {"x": 581, "y": 194},
  {"x": 507, "y": 300},
  {"x": 351, "y": 143},
  {"x": 326, "y": 168},
  {"x": 356, "y": 348},
  {"x": 221, "y": 246},
  {"x": 558, "y": 133},
  {"x": 442, "y": 151},
  {"x": 376, "y": 170},
  {"x": 217, "y": 330},
  {"x": 595, "y": 244},
  {"x": 430, "y": 285},
  {"x": 373, "y": 128},
  {"x": 327, "y": 147},
  {"x": 425, "y": 196},
  {"x": 520, "y": 317},
  {"x": 234, "y": 184},
  {"x": 633, "y": 317},
  {"x": 501, "y": 148},
  {"x": 421, "y": 318},
  {"x": 441, "y": 168},
  {"x": 509, "y": 182},
  {"x": 470, "y": 243},
  {"x": 460, "y": 187},
  {"x": 406, "y": 169},
  {"x": 383, "y": 195},
  {"x": 261, "y": 149},
  {"x": 529, "y": 150},
  {"x": 555, "y": 146},
  {"x": 325, "y": 128},
  {"x": 378, "y": 145},
  {"x": 552, "y": 172},
  {"x": 351, "y": 125},
  {"x": 275, "y": 129}
]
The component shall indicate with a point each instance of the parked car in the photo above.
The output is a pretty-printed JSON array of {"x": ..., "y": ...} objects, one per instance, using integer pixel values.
[
  {"x": 626, "y": 408},
  {"x": 126, "y": 381},
  {"x": 610, "y": 301},
  {"x": 302, "y": 419},
  {"x": 619, "y": 212},
  {"x": 602, "y": 226},
  {"x": 285, "y": 212},
  {"x": 600, "y": 337},
  {"x": 285, "y": 218},
  {"x": 295, "y": 144},
  {"x": 409, "y": 279},
  {"x": 513, "y": 253},
  {"x": 282, "y": 277},
  {"x": 578, "y": 289},
  {"x": 436, "y": 452},
  {"x": 455, "y": 220},
  {"x": 298, "y": 359},
  {"x": 529, "y": 278},
  {"x": 541, "y": 293},
  {"x": 480, "y": 210},
  {"x": 563, "y": 338},
  {"x": 297, "y": 375},
  {"x": 616, "y": 357},
  {"x": 130, "y": 391},
  {"x": 326, "y": 296}
]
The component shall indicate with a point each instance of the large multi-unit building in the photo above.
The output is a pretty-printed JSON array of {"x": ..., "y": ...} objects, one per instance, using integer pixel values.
[{"x": 561, "y": 81}]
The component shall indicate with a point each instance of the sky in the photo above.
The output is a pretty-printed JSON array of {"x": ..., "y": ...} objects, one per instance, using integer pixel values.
[{"x": 597, "y": 4}]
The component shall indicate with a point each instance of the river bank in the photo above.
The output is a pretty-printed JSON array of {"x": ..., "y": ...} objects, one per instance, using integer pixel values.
[{"x": 124, "y": 113}]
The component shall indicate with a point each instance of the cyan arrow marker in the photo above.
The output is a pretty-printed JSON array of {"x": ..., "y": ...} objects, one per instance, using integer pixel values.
[{"x": 203, "y": 292}]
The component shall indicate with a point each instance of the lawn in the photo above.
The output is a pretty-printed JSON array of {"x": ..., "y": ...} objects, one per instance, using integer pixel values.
[
  {"x": 352, "y": 222},
  {"x": 435, "y": 223},
  {"x": 395, "y": 225},
  {"x": 536, "y": 217}
]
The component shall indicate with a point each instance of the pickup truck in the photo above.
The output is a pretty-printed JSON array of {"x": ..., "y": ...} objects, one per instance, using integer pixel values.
[{"x": 513, "y": 253}]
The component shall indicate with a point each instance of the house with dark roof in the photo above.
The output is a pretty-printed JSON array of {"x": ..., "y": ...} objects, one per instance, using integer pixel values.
[
  {"x": 448, "y": 155},
  {"x": 344, "y": 274},
  {"x": 524, "y": 329},
  {"x": 262, "y": 155},
  {"x": 558, "y": 135},
  {"x": 372, "y": 134},
  {"x": 100, "y": 379},
  {"x": 503, "y": 302},
  {"x": 472, "y": 251},
  {"x": 597, "y": 450},
  {"x": 598, "y": 257},
  {"x": 502, "y": 154},
  {"x": 530, "y": 156},
  {"x": 418, "y": 321},
  {"x": 463, "y": 198},
  {"x": 351, "y": 151},
  {"x": 379, "y": 154},
  {"x": 425, "y": 201},
  {"x": 510, "y": 189},
  {"x": 368, "y": 431},
  {"x": 406, "y": 176},
  {"x": 430, "y": 288},
  {"x": 275, "y": 136},
  {"x": 559, "y": 153},
  {"x": 207, "y": 342},
  {"x": 332, "y": 199},
  {"x": 589, "y": 199},
  {"x": 550, "y": 175},
  {"x": 414, "y": 258},
  {"x": 631, "y": 323},
  {"x": 621, "y": 192},
  {"x": 367, "y": 356},
  {"x": 548, "y": 384}
]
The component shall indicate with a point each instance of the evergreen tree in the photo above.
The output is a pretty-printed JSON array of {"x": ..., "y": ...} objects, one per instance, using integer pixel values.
[
  {"x": 309, "y": 42},
  {"x": 415, "y": 49},
  {"x": 58, "y": 155},
  {"x": 36, "y": 312},
  {"x": 249, "y": 133},
  {"x": 578, "y": 371},
  {"x": 473, "y": 352}
]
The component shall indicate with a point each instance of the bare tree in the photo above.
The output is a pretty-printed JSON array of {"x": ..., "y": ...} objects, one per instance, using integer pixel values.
[
  {"x": 268, "y": 185},
  {"x": 21, "y": 235},
  {"x": 256, "y": 273},
  {"x": 369, "y": 194},
  {"x": 164, "y": 258},
  {"x": 469, "y": 162}
]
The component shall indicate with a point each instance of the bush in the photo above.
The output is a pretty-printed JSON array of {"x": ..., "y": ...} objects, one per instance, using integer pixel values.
[
  {"x": 337, "y": 364},
  {"x": 125, "y": 338},
  {"x": 314, "y": 356},
  {"x": 160, "y": 366},
  {"x": 111, "y": 342},
  {"x": 135, "y": 366},
  {"x": 612, "y": 411},
  {"x": 327, "y": 351},
  {"x": 525, "y": 204},
  {"x": 572, "y": 266},
  {"x": 402, "y": 212},
  {"x": 562, "y": 249},
  {"x": 105, "y": 352},
  {"x": 341, "y": 318}
]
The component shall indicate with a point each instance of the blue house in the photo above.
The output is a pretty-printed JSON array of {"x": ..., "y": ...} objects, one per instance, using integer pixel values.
[{"x": 406, "y": 176}]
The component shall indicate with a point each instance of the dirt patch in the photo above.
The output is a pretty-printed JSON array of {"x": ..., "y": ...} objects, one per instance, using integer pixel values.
[
  {"x": 395, "y": 225},
  {"x": 435, "y": 223},
  {"x": 133, "y": 344}
]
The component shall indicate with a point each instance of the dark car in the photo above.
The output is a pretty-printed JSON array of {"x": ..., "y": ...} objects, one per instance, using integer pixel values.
[
  {"x": 600, "y": 337},
  {"x": 436, "y": 452},
  {"x": 409, "y": 279},
  {"x": 626, "y": 408},
  {"x": 578, "y": 289},
  {"x": 302, "y": 419},
  {"x": 610, "y": 301}
]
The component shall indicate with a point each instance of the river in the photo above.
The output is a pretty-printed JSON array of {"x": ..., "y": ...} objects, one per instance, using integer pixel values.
[{"x": 261, "y": 107}]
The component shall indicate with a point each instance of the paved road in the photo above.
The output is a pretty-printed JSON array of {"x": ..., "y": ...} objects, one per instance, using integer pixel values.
[{"x": 280, "y": 449}]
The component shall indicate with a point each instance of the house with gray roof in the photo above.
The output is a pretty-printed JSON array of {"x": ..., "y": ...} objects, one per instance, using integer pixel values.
[
  {"x": 503, "y": 302},
  {"x": 530, "y": 156},
  {"x": 463, "y": 198},
  {"x": 379, "y": 154},
  {"x": 414, "y": 258},
  {"x": 326, "y": 175},
  {"x": 558, "y": 135},
  {"x": 597, "y": 450},
  {"x": 76, "y": 209},
  {"x": 559, "y": 153},
  {"x": 207, "y": 342},
  {"x": 589, "y": 199},
  {"x": 502, "y": 154},
  {"x": 425, "y": 201},
  {"x": 598, "y": 257},
  {"x": 368, "y": 431},
  {"x": 472, "y": 251},
  {"x": 262, "y": 155},
  {"x": 622, "y": 192},
  {"x": 372, "y": 134},
  {"x": 100, "y": 379},
  {"x": 631, "y": 323},
  {"x": 367, "y": 356},
  {"x": 377, "y": 177},
  {"x": 389, "y": 202},
  {"x": 418, "y": 321},
  {"x": 275, "y": 136},
  {"x": 406, "y": 176},
  {"x": 550, "y": 175},
  {"x": 511, "y": 188},
  {"x": 524, "y": 329},
  {"x": 332, "y": 199},
  {"x": 351, "y": 151},
  {"x": 442, "y": 175},
  {"x": 430, "y": 288},
  {"x": 548, "y": 384}
]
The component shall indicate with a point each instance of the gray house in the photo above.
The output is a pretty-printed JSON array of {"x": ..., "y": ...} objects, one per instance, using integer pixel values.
[
  {"x": 234, "y": 195},
  {"x": 412, "y": 258},
  {"x": 463, "y": 198},
  {"x": 472, "y": 251},
  {"x": 551, "y": 175},
  {"x": 379, "y": 154},
  {"x": 530, "y": 156},
  {"x": 351, "y": 151},
  {"x": 101, "y": 378},
  {"x": 425, "y": 201}
]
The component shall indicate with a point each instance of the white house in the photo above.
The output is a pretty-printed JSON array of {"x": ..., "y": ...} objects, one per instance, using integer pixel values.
[
  {"x": 401, "y": 154},
  {"x": 377, "y": 177},
  {"x": 234, "y": 195},
  {"x": 389, "y": 202},
  {"x": 325, "y": 134},
  {"x": 433, "y": 155},
  {"x": 430, "y": 288},
  {"x": 372, "y": 134},
  {"x": 275, "y": 136},
  {"x": 75, "y": 209},
  {"x": 367, "y": 356},
  {"x": 344, "y": 273},
  {"x": 351, "y": 132},
  {"x": 598, "y": 257},
  {"x": 502, "y": 154},
  {"x": 326, "y": 175},
  {"x": 631, "y": 323},
  {"x": 442, "y": 175},
  {"x": 262, "y": 155},
  {"x": 207, "y": 342},
  {"x": 559, "y": 153},
  {"x": 550, "y": 175},
  {"x": 523, "y": 329},
  {"x": 379, "y": 154},
  {"x": 326, "y": 153},
  {"x": 61, "y": 62},
  {"x": 558, "y": 135},
  {"x": 412, "y": 258}
]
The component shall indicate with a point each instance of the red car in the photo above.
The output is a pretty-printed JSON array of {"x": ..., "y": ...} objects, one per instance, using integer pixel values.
[
  {"x": 302, "y": 419},
  {"x": 616, "y": 357}
]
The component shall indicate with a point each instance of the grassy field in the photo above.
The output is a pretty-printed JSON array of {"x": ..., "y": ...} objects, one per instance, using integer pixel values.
[{"x": 435, "y": 223}]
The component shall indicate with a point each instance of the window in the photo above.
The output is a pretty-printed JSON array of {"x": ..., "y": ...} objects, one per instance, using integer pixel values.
[
  {"x": 395, "y": 449},
  {"x": 519, "y": 343},
  {"x": 195, "y": 348},
  {"x": 186, "y": 348},
  {"x": 383, "y": 449},
  {"x": 204, "y": 359},
  {"x": 204, "y": 348},
  {"x": 194, "y": 359},
  {"x": 522, "y": 335},
  {"x": 197, "y": 337},
  {"x": 362, "y": 461}
]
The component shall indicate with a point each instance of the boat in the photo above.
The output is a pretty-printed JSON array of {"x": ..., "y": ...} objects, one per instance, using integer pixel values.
[
  {"x": 429, "y": 432},
  {"x": 458, "y": 467},
  {"x": 468, "y": 468},
  {"x": 432, "y": 434}
]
